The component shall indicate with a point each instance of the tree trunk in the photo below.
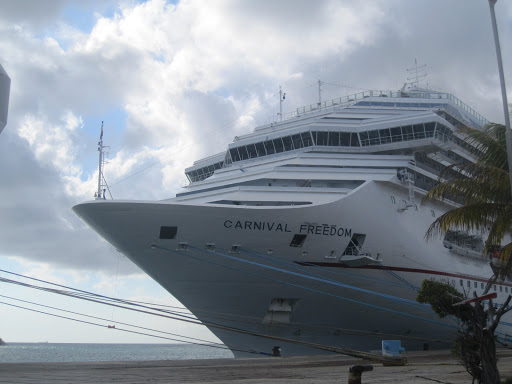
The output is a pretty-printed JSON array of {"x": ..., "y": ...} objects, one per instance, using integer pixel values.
[{"x": 490, "y": 373}]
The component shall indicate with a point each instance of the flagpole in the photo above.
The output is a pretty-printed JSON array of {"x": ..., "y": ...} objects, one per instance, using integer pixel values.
[{"x": 508, "y": 133}]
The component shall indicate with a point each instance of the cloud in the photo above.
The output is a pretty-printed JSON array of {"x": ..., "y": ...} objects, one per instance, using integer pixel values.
[{"x": 188, "y": 77}]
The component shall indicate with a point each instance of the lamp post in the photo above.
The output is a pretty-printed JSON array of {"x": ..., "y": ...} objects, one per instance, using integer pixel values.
[{"x": 508, "y": 137}]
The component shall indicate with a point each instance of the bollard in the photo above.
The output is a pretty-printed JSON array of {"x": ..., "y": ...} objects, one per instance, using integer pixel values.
[
  {"x": 355, "y": 372},
  {"x": 276, "y": 351}
]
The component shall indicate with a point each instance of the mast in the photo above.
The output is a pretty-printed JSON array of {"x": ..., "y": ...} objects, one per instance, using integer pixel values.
[
  {"x": 319, "y": 94},
  {"x": 100, "y": 194},
  {"x": 282, "y": 96},
  {"x": 418, "y": 73}
]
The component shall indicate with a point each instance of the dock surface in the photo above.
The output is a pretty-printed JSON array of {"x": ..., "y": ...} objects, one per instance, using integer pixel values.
[{"x": 423, "y": 367}]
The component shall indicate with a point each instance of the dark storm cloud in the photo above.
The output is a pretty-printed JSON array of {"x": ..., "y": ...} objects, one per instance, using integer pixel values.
[{"x": 37, "y": 221}]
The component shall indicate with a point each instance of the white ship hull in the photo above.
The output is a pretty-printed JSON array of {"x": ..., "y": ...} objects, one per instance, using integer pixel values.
[{"x": 216, "y": 283}]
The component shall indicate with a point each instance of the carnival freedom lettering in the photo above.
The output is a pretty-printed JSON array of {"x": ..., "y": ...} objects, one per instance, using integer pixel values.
[
  {"x": 323, "y": 230},
  {"x": 257, "y": 226}
]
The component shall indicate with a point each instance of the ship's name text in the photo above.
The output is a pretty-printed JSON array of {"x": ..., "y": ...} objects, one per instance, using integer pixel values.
[
  {"x": 257, "y": 225},
  {"x": 324, "y": 230}
]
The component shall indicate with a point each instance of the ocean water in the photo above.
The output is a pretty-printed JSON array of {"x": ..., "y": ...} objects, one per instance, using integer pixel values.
[{"x": 63, "y": 352}]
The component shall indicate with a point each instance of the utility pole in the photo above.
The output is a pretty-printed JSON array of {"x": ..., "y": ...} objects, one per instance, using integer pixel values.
[{"x": 508, "y": 137}]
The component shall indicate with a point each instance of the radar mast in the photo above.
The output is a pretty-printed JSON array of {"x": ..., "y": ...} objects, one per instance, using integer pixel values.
[{"x": 102, "y": 184}]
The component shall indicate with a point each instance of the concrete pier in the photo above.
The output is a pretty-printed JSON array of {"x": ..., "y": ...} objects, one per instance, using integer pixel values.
[{"x": 423, "y": 368}]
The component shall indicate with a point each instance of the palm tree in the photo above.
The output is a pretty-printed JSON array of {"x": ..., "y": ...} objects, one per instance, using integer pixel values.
[{"x": 482, "y": 191}]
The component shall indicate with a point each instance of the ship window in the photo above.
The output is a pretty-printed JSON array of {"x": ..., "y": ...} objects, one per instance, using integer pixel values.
[
  {"x": 461, "y": 283},
  {"x": 482, "y": 285},
  {"x": 306, "y": 139},
  {"x": 260, "y": 148},
  {"x": 506, "y": 289},
  {"x": 374, "y": 137},
  {"x": 251, "y": 148},
  {"x": 234, "y": 154},
  {"x": 345, "y": 139},
  {"x": 364, "y": 138},
  {"x": 396, "y": 134},
  {"x": 235, "y": 248},
  {"x": 288, "y": 145},
  {"x": 501, "y": 288},
  {"x": 476, "y": 284},
  {"x": 469, "y": 284},
  {"x": 269, "y": 146},
  {"x": 385, "y": 136},
  {"x": 298, "y": 240},
  {"x": 168, "y": 233},
  {"x": 407, "y": 132},
  {"x": 243, "y": 152},
  {"x": 334, "y": 139},
  {"x": 429, "y": 129},
  {"x": 419, "y": 131},
  {"x": 278, "y": 144},
  {"x": 321, "y": 138},
  {"x": 297, "y": 141},
  {"x": 494, "y": 286},
  {"x": 393, "y": 199},
  {"x": 354, "y": 140}
]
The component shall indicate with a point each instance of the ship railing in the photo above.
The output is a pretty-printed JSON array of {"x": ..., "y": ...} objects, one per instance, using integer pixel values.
[
  {"x": 406, "y": 137},
  {"x": 356, "y": 251},
  {"x": 351, "y": 99}
]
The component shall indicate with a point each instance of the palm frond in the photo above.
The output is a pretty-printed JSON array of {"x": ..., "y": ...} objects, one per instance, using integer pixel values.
[
  {"x": 502, "y": 224},
  {"x": 488, "y": 145},
  {"x": 474, "y": 217}
]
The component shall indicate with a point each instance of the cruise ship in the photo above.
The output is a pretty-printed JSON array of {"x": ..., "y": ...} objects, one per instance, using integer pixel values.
[{"x": 310, "y": 231}]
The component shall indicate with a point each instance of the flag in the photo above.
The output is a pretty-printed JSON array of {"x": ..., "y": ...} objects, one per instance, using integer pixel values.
[{"x": 101, "y": 135}]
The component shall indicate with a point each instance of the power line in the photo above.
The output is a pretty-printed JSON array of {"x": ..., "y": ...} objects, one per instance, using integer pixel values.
[
  {"x": 122, "y": 329},
  {"x": 83, "y": 295},
  {"x": 117, "y": 322}
]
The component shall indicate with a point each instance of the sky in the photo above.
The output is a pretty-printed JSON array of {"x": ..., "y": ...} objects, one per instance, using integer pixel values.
[{"x": 175, "y": 81}]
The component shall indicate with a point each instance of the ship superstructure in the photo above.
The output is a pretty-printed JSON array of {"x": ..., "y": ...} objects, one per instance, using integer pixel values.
[{"x": 311, "y": 228}]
